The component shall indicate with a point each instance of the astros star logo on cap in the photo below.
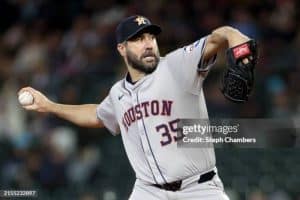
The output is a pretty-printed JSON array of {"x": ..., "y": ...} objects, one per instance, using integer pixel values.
[{"x": 140, "y": 20}]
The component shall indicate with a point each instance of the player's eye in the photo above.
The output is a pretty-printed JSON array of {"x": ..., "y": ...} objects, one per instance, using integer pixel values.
[
  {"x": 152, "y": 36},
  {"x": 136, "y": 39},
  {"x": 149, "y": 37}
]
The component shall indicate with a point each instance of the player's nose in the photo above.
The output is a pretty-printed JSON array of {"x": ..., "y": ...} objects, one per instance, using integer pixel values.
[{"x": 148, "y": 42}]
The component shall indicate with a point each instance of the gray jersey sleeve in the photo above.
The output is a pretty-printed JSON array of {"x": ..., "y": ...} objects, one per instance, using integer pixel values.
[
  {"x": 105, "y": 113},
  {"x": 186, "y": 63}
]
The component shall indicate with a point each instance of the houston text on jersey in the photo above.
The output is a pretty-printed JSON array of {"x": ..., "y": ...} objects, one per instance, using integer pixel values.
[{"x": 146, "y": 109}]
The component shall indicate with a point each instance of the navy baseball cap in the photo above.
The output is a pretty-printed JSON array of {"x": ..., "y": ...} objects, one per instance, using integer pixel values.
[{"x": 133, "y": 25}]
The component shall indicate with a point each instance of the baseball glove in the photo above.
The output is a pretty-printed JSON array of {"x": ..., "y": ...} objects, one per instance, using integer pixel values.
[{"x": 238, "y": 79}]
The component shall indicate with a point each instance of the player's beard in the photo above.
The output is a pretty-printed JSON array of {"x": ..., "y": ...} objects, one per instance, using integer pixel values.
[{"x": 139, "y": 63}]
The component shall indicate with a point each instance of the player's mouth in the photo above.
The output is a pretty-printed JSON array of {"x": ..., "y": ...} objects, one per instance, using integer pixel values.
[{"x": 149, "y": 58}]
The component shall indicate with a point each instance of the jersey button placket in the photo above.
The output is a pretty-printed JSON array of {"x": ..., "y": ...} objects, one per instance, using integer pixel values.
[
  {"x": 142, "y": 133},
  {"x": 134, "y": 98},
  {"x": 139, "y": 122},
  {"x": 141, "y": 130}
]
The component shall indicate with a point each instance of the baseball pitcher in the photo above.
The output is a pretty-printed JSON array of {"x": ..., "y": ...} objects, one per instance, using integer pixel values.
[{"x": 155, "y": 94}]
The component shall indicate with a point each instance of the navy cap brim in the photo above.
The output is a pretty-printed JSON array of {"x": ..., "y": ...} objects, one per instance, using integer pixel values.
[{"x": 152, "y": 28}]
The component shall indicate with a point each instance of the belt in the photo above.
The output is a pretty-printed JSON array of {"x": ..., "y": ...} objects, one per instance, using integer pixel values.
[{"x": 176, "y": 185}]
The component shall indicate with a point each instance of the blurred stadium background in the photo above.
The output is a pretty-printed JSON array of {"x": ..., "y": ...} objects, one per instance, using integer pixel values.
[{"x": 66, "y": 49}]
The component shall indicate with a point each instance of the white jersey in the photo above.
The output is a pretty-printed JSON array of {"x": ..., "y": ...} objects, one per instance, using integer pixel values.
[{"x": 146, "y": 113}]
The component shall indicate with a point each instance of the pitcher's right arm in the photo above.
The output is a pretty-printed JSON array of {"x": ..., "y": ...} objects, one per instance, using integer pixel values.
[{"x": 81, "y": 115}]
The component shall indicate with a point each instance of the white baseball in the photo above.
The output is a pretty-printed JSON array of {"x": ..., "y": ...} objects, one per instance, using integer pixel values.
[{"x": 25, "y": 98}]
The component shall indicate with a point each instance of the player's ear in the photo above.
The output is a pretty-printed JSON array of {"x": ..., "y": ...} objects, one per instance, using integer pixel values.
[{"x": 121, "y": 48}]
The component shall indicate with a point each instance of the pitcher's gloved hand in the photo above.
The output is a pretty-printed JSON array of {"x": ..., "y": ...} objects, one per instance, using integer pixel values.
[{"x": 238, "y": 79}]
